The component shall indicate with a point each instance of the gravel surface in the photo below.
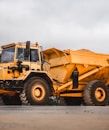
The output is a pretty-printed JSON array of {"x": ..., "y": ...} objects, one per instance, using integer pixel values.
[{"x": 54, "y": 118}]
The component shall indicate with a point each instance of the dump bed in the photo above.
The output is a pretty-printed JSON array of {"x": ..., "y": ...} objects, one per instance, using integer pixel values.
[{"x": 64, "y": 62}]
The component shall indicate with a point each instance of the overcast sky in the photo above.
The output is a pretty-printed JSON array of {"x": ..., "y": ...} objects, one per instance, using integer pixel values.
[{"x": 63, "y": 24}]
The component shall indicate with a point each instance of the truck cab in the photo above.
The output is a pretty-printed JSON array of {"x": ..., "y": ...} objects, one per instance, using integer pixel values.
[
  {"x": 15, "y": 53},
  {"x": 22, "y": 77}
]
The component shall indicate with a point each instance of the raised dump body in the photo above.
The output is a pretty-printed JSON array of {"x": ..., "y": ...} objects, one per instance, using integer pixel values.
[
  {"x": 63, "y": 64},
  {"x": 75, "y": 70}
]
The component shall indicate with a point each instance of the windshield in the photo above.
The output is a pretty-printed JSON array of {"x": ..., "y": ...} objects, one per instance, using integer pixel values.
[{"x": 7, "y": 55}]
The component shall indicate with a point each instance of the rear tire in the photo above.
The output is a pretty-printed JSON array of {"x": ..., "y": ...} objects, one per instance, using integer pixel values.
[
  {"x": 96, "y": 94},
  {"x": 36, "y": 92}
]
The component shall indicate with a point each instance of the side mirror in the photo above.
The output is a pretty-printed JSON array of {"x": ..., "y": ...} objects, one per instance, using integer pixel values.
[{"x": 27, "y": 51}]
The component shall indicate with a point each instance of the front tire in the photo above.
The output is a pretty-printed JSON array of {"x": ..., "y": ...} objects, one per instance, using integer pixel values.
[
  {"x": 36, "y": 92},
  {"x": 96, "y": 94}
]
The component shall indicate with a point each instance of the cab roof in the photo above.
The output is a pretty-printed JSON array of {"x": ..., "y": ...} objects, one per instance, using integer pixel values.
[{"x": 23, "y": 44}]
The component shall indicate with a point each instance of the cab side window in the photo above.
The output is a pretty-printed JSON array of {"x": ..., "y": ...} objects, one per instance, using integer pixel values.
[
  {"x": 34, "y": 57},
  {"x": 20, "y": 54}
]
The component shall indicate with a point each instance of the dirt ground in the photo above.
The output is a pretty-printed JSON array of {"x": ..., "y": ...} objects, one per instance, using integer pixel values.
[{"x": 54, "y": 118}]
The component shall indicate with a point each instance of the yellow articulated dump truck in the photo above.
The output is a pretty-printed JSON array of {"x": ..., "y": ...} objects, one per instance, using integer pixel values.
[{"x": 31, "y": 76}]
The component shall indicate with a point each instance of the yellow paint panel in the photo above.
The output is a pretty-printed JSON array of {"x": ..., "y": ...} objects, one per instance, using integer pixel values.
[
  {"x": 11, "y": 93},
  {"x": 72, "y": 95},
  {"x": 89, "y": 58}
]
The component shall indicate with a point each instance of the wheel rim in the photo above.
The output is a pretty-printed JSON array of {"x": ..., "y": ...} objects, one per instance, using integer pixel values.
[
  {"x": 38, "y": 92},
  {"x": 100, "y": 94}
]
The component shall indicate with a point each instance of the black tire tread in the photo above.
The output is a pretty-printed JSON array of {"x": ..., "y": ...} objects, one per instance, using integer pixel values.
[
  {"x": 87, "y": 94},
  {"x": 25, "y": 95}
]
